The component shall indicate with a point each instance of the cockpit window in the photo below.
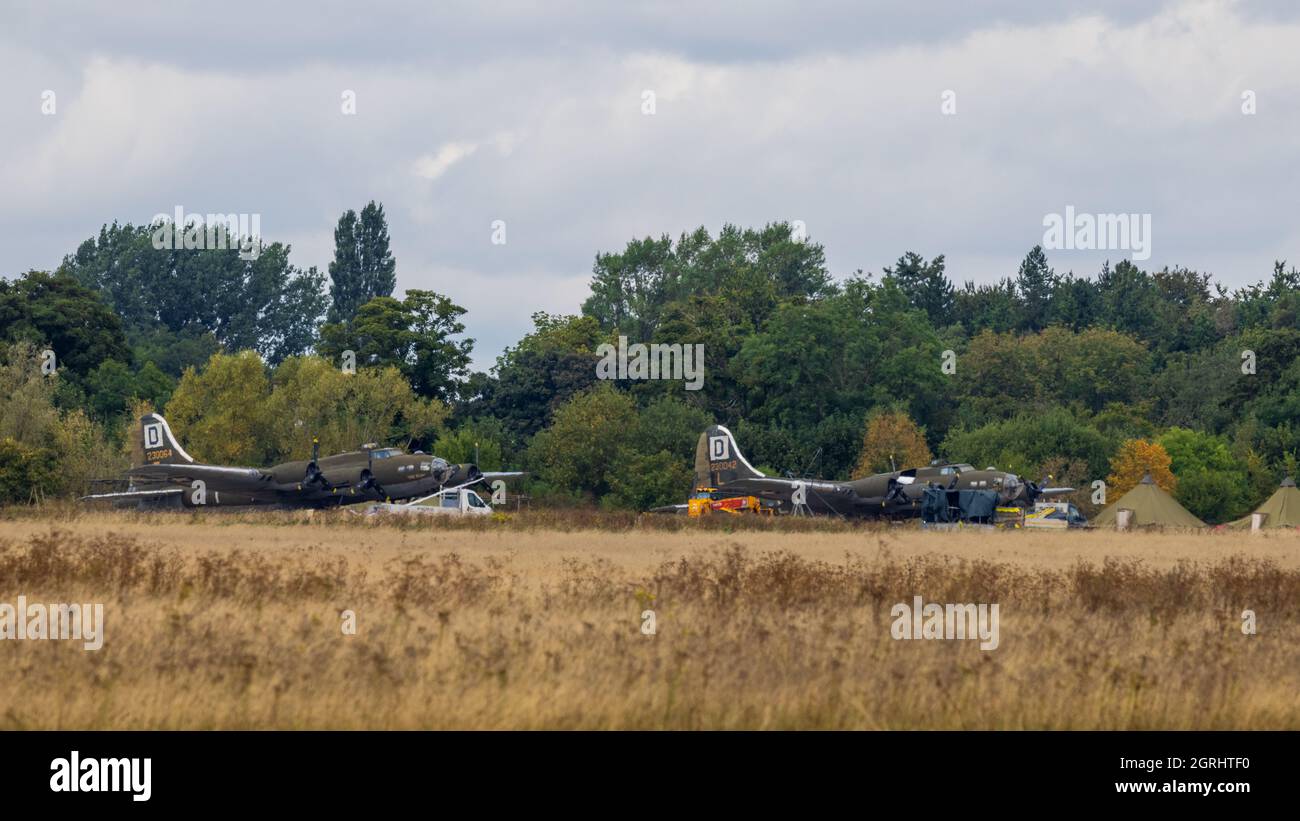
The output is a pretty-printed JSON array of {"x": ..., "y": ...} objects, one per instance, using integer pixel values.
[{"x": 383, "y": 453}]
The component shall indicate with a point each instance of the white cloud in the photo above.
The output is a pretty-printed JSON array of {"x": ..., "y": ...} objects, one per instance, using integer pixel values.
[
  {"x": 781, "y": 117},
  {"x": 433, "y": 166}
]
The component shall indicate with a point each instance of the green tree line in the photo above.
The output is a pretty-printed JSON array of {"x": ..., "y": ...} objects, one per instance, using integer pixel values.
[{"x": 1049, "y": 373}]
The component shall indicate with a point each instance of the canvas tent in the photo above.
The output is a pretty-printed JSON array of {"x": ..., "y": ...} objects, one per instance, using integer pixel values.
[
  {"x": 1281, "y": 510},
  {"x": 940, "y": 506},
  {"x": 1150, "y": 506}
]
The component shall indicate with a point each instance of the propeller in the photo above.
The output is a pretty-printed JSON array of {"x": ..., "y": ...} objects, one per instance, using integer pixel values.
[
  {"x": 1031, "y": 491},
  {"x": 368, "y": 481},
  {"x": 313, "y": 476},
  {"x": 1040, "y": 488},
  {"x": 897, "y": 492}
]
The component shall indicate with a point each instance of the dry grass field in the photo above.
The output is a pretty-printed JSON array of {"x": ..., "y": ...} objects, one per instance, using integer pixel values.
[{"x": 221, "y": 620}]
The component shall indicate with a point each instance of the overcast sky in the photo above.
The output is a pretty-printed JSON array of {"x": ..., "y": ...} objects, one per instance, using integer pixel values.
[{"x": 533, "y": 114}]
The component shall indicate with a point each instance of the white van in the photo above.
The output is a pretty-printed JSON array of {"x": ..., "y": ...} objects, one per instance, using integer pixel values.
[{"x": 458, "y": 502}]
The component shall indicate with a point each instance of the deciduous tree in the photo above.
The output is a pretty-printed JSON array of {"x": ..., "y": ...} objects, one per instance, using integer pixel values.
[
  {"x": 892, "y": 441},
  {"x": 1135, "y": 459}
]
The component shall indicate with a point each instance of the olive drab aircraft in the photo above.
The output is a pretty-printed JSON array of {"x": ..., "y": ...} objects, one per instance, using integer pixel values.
[
  {"x": 722, "y": 471},
  {"x": 369, "y": 474}
]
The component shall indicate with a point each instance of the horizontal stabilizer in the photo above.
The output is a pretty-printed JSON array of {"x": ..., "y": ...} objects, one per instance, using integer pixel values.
[
  {"x": 187, "y": 472},
  {"x": 133, "y": 494}
]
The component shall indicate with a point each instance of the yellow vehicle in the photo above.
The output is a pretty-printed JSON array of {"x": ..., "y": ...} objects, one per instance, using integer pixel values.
[
  {"x": 706, "y": 505},
  {"x": 1043, "y": 516}
]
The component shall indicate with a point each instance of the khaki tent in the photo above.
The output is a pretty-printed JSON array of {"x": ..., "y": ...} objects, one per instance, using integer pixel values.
[
  {"x": 1281, "y": 510},
  {"x": 1150, "y": 506}
]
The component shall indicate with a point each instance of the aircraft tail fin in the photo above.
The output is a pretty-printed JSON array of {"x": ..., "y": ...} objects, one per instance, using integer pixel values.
[
  {"x": 718, "y": 460},
  {"x": 160, "y": 446}
]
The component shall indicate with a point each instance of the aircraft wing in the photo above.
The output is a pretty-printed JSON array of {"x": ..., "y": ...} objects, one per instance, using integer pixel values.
[
  {"x": 134, "y": 494},
  {"x": 486, "y": 477}
]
